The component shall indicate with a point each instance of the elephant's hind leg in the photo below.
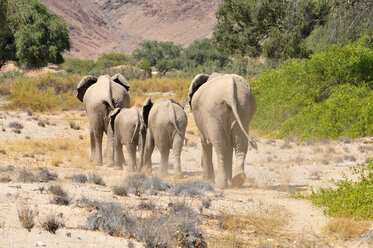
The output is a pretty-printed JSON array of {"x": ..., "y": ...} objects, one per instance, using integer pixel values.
[
  {"x": 98, "y": 147},
  {"x": 148, "y": 151},
  {"x": 119, "y": 157},
  {"x": 224, "y": 155},
  {"x": 207, "y": 166},
  {"x": 92, "y": 137},
  {"x": 177, "y": 146},
  {"x": 131, "y": 150},
  {"x": 164, "y": 161}
]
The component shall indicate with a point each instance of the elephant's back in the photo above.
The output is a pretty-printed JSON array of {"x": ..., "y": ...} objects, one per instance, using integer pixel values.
[{"x": 126, "y": 122}]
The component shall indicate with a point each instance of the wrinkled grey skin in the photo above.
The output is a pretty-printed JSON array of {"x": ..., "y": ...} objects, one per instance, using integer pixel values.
[
  {"x": 126, "y": 125},
  {"x": 166, "y": 123},
  {"x": 223, "y": 106},
  {"x": 100, "y": 96}
]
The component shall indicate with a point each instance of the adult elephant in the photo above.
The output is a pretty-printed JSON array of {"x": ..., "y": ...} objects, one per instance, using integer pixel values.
[
  {"x": 100, "y": 96},
  {"x": 223, "y": 106}
]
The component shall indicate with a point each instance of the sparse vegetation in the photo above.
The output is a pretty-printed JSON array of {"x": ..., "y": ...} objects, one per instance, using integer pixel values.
[
  {"x": 112, "y": 218},
  {"x": 26, "y": 176},
  {"x": 96, "y": 179},
  {"x": 141, "y": 183},
  {"x": 197, "y": 188},
  {"x": 346, "y": 228},
  {"x": 120, "y": 190},
  {"x": 26, "y": 215},
  {"x": 349, "y": 198},
  {"x": 51, "y": 224},
  {"x": 60, "y": 197},
  {"x": 79, "y": 178}
]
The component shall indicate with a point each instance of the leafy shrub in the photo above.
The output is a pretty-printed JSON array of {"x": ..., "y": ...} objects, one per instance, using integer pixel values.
[
  {"x": 327, "y": 96},
  {"x": 77, "y": 66},
  {"x": 349, "y": 198}
]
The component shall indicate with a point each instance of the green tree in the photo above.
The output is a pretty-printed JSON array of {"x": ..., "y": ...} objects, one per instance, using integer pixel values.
[
  {"x": 107, "y": 60},
  {"x": 273, "y": 28},
  {"x": 36, "y": 35},
  {"x": 347, "y": 22},
  {"x": 201, "y": 52},
  {"x": 162, "y": 55},
  {"x": 7, "y": 48}
]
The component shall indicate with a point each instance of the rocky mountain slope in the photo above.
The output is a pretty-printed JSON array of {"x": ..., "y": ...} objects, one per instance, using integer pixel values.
[{"x": 98, "y": 26}]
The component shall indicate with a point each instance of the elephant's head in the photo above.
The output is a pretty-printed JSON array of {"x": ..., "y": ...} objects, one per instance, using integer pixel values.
[
  {"x": 120, "y": 79},
  {"x": 84, "y": 84}
]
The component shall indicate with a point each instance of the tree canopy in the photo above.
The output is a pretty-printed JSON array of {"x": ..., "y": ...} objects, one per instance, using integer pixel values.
[
  {"x": 284, "y": 29},
  {"x": 33, "y": 35},
  {"x": 163, "y": 55}
]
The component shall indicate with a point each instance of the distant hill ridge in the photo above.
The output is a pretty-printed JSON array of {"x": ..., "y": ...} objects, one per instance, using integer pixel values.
[{"x": 98, "y": 26}]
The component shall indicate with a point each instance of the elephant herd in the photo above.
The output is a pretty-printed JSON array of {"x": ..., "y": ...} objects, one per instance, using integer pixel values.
[{"x": 222, "y": 105}]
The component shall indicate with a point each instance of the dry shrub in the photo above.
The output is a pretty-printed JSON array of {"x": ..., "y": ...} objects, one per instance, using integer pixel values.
[
  {"x": 60, "y": 197},
  {"x": 26, "y": 215},
  {"x": 258, "y": 223},
  {"x": 56, "y": 149},
  {"x": 51, "y": 224},
  {"x": 346, "y": 228}
]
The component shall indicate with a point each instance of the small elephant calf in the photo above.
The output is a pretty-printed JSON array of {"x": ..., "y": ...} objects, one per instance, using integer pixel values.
[
  {"x": 165, "y": 121},
  {"x": 126, "y": 125}
]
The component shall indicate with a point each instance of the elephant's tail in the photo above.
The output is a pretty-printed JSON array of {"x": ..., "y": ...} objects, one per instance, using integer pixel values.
[
  {"x": 173, "y": 117},
  {"x": 233, "y": 105},
  {"x": 136, "y": 131}
]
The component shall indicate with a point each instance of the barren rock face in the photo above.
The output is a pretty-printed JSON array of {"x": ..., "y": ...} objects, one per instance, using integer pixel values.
[{"x": 98, "y": 26}]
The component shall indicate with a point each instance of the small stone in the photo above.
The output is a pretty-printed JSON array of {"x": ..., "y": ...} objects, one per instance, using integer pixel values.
[{"x": 40, "y": 244}]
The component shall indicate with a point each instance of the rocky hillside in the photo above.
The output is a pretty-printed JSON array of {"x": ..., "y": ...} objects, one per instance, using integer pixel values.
[{"x": 98, "y": 26}]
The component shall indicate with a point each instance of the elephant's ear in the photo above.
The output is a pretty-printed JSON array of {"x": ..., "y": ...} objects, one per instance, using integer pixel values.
[
  {"x": 176, "y": 102},
  {"x": 120, "y": 79},
  {"x": 146, "y": 109},
  {"x": 198, "y": 80},
  {"x": 113, "y": 115},
  {"x": 84, "y": 84}
]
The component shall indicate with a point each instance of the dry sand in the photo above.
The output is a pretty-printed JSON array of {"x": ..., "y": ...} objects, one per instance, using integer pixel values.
[{"x": 276, "y": 169}]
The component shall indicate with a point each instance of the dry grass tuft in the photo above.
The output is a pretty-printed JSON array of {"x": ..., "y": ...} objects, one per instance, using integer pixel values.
[
  {"x": 257, "y": 224},
  {"x": 26, "y": 215},
  {"x": 346, "y": 228},
  {"x": 51, "y": 224}
]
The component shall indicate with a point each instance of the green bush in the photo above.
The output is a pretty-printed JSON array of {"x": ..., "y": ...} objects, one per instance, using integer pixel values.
[
  {"x": 326, "y": 96},
  {"x": 349, "y": 198},
  {"x": 77, "y": 66}
]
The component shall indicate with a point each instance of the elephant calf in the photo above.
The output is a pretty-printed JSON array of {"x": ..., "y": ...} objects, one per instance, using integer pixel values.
[
  {"x": 126, "y": 125},
  {"x": 166, "y": 123}
]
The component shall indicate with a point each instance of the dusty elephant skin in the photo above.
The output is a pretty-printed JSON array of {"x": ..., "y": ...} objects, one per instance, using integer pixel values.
[
  {"x": 126, "y": 125},
  {"x": 223, "y": 106},
  {"x": 100, "y": 96},
  {"x": 166, "y": 123}
]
